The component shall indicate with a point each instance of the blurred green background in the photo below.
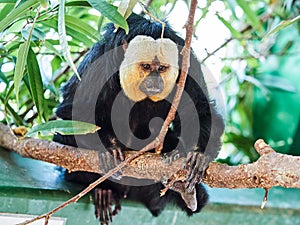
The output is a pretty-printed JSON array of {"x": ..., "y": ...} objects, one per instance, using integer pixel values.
[{"x": 252, "y": 48}]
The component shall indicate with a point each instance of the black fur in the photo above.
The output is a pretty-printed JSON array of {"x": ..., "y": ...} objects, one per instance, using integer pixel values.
[{"x": 102, "y": 73}]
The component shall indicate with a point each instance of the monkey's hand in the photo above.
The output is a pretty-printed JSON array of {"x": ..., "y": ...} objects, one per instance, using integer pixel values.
[
  {"x": 196, "y": 163},
  {"x": 103, "y": 201},
  {"x": 111, "y": 159}
]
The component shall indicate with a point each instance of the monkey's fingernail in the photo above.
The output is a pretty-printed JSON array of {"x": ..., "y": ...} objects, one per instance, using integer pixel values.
[{"x": 186, "y": 185}]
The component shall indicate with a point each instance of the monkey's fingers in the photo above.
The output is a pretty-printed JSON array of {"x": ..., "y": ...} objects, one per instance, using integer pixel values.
[
  {"x": 104, "y": 208},
  {"x": 107, "y": 206},
  {"x": 109, "y": 161},
  {"x": 102, "y": 202},
  {"x": 118, "y": 155},
  {"x": 98, "y": 198},
  {"x": 196, "y": 163},
  {"x": 117, "y": 208},
  {"x": 109, "y": 203}
]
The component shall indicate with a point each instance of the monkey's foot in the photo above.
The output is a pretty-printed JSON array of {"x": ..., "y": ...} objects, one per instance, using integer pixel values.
[
  {"x": 103, "y": 201},
  {"x": 110, "y": 160},
  {"x": 196, "y": 163},
  {"x": 189, "y": 198}
]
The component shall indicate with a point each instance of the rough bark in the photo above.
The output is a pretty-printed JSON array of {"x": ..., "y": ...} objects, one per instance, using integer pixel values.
[{"x": 271, "y": 169}]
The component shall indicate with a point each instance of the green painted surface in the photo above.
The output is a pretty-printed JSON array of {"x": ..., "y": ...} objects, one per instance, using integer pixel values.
[
  {"x": 38, "y": 202},
  {"x": 31, "y": 187},
  {"x": 16, "y": 171}
]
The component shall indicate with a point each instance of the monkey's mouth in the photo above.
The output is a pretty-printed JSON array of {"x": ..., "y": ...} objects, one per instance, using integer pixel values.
[
  {"x": 152, "y": 91},
  {"x": 152, "y": 85}
]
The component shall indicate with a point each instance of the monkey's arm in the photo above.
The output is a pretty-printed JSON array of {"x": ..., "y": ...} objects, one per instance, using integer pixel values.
[{"x": 200, "y": 130}]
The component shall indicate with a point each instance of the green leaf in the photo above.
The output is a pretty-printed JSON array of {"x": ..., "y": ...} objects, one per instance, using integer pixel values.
[
  {"x": 5, "y": 10},
  {"x": 3, "y": 77},
  {"x": 50, "y": 46},
  {"x": 44, "y": 3},
  {"x": 2, "y": 49},
  {"x": 78, "y": 3},
  {"x": 35, "y": 82},
  {"x": 56, "y": 63},
  {"x": 19, "y": 68},
  {"x": 81, "y": 27},
  {"x": 250, "y": 14},
  {"x": 126, "y": 6},
  {"x": 17, "y": 119},
  {"x": 232, "y": 5},
  {"x": 63, "y": 37},
  {"x": 233, "y": 31},
  {"x": 258, "y": 84},
  {"x": 110, "y": 12},
  {"x": 37, "y": 34},
  {"x": 76, "y": 37},
  {"x": 100, "y": 22},
  {"x": 20, "y": 64},
  {"x": 15, "y": 27},
  {"x": 64, "y": 127},
  {"x": 278, "y": 83},
  {"x": 283, "y": 24},
  {"x": 17, "y": 13},
  {"x": 9, "y": 92}
]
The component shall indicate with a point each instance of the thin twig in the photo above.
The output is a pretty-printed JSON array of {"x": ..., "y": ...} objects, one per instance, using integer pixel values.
[
  {"x": 92, "y": 185},
  {"x": 158, "y": 142},
  {"x": 163, "y": 24},
  {"x": 247, "y": 28},
  {"x": 65, "y": 70},
  {"x": 181, "y": 83}
]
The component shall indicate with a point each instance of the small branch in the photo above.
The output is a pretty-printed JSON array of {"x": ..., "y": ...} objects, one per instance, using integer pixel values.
[
  {"x": 247, "y": 28},
  {"x": 264, "y": 202},
  {"x": 65, "y": 70},
  {"x": 90, "y": 187},
  {"x": 224, "y": 44},
  {"x": 184, "y": 70},
  {"x": 217, "y": 49},
  {"x": 163, "y": 24}
]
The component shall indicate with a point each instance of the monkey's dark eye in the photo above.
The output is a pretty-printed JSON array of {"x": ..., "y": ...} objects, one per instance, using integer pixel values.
[
  {"x": 162, "y": 68},
  {"x": 146, "y": 66}
]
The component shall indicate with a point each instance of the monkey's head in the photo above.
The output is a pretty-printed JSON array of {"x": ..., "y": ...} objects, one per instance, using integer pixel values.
[{"x": 149, "y": 68}]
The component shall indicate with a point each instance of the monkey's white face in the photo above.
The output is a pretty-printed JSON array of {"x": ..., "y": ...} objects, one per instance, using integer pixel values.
[{"x": 149, "y": 68}]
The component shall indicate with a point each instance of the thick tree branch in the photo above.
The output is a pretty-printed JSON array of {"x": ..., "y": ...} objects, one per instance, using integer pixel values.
[{"x": 271, "y": 169}]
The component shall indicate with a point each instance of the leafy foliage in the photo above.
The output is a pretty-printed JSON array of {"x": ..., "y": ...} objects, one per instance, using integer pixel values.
[
  {"x": 65, "y": 127},
  {"x": 262, "y": 93},
  {"x": 39, "y": 41}
]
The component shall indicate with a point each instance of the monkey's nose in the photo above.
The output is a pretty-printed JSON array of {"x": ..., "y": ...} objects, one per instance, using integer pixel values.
[{"x": 152, "y": 85}]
